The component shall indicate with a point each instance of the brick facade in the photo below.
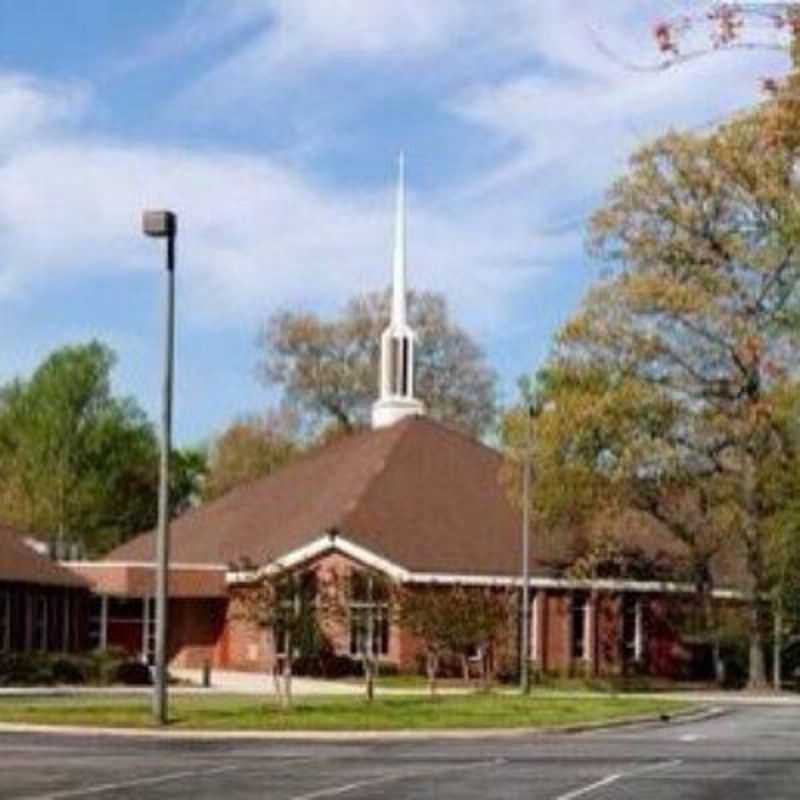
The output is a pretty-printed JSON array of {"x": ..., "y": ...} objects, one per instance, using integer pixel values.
[{"x": 212, "y": 630}]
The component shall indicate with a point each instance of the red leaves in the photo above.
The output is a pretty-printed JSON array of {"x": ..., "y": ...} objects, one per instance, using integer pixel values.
[
  {"x": 663, "y": 32},
  {"x": 728, "y": 21}
]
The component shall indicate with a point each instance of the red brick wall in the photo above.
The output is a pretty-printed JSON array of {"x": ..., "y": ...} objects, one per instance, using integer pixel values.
[
  {"x": 196, "y": 632},
  {"x": 210, "y": 630},
  {"x": 608, "y": 626}
]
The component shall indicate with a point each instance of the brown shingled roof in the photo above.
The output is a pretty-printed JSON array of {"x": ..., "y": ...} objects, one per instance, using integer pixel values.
[
  {"x": 19, "y": 563},
  {"x": 417, "y": 493}
]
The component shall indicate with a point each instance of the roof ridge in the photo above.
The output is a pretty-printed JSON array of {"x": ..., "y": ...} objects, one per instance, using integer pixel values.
[
  {"x": 452, "y": 430},
  {"x": 400, "y": 431}
]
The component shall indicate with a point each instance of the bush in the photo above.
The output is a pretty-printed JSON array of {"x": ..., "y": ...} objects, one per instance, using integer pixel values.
[
  {"x": 98, "y": 668},
  {"x": 102, "y": 665},
  {"x": 133, "y": 673},
  {"x": 71, "y": 670},
  {"x": 735, "y": 657},
  {"x": 26, "y": 669}
]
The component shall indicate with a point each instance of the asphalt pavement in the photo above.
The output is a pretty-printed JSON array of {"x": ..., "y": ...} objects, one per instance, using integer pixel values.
[{"x": 749, "y": 753}]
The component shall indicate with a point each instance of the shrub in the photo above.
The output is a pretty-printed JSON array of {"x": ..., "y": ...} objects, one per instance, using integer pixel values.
[
  {"x": 98, "y": 668},
  {"x": 734, "y": 655},
  {"x": 72, "y": 670},
  {"x": 25, "y": 669},
  {"x": 133, "y": 673},
  {"x": 102, "y": 665}
]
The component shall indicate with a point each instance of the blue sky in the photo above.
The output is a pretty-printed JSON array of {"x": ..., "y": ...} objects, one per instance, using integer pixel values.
[{"x": 272, "y": 126}]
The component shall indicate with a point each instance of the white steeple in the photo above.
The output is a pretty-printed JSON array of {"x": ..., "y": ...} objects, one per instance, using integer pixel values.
[{"x": 396, "y": 385}]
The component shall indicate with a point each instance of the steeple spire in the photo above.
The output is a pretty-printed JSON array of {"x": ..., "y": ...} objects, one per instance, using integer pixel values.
[
  {"x": 399, "y": 262},
  {"x": 396, "y": 399}
]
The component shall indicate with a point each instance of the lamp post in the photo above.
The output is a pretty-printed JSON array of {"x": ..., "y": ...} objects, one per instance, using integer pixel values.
[
  {"x": 524, "y": 674},
  {"x": 164, "y": 225}
]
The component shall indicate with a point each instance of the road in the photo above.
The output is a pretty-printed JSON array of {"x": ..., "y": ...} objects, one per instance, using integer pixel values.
[{"x": 750, "y": 753}]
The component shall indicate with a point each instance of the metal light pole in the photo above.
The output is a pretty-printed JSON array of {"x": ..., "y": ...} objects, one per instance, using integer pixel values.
[
  {"x": 524, "y": 674},
  {"x": 164, "y": 225}
]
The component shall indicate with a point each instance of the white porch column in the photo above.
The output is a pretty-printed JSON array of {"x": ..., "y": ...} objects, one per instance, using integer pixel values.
[
  {"x": 638, "y": 635},
  {"x": 103, "y": 621},
  {"x": 536, "y": 629},
  {"x": 145, "y": 627},
  {"x": 590, "y": 632}
]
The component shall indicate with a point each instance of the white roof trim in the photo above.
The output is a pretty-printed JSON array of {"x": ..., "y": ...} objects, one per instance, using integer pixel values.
[
  {"x": 341, "y": 544},
  {"x": 320, "y": 545},
  {"x": 538, "y": 582}
]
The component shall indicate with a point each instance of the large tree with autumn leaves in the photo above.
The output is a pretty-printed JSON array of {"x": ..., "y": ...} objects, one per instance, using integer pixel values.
[{"x": 669, "y": 384}]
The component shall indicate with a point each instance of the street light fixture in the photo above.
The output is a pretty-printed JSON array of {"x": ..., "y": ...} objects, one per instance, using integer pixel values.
[{"x": 164, "y": 225}]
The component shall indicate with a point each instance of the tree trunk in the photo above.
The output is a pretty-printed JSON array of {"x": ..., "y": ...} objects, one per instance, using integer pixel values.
[
  {"x": 432, "y": 667},
  {"x": 757, "y": 679},
  {"x": 276, "y": 681},
  {"x": 369, "y": 676},
  {"x": 287, "y": 682},
  {"x": 711, "y": 623},
  {"x": 777, "y": 648},
  {"x": 465, "y": 668},
  {"x": 485, "y": 673}
]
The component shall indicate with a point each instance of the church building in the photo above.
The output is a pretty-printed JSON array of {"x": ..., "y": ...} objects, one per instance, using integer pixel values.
[{"x": 412, "y": 499}]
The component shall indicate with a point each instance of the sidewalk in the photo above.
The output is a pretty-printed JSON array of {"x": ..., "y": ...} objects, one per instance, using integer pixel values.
[
  {"x": 260, "y": 683},
  {"x": 232, "y": 682}
]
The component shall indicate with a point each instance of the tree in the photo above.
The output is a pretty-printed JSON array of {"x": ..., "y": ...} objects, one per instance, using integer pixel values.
[
  {"x": 726, "y": 25},
  {"x": 701, "y": 320},
  {"x": 75, "y": 460},
  {"x": 779, "y": 488},
  {"x": 188, "y": 476},
  {"x": 455, "y": 621},
  {"x": 602, "y": 449},
  {"x": 330, "y": 368},
  {"x": 250, "y": 448},
  {"x": 292, "y": 605}
]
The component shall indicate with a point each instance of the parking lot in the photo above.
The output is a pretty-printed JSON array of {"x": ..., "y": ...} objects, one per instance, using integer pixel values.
[{"x": 745, "y": 753}]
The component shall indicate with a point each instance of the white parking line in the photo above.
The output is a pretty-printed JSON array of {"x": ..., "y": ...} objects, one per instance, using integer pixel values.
[
  {"x": 113, "y": 787},
  {"x": 609, "y": 779},
  {"x": 335, "y": 791}
]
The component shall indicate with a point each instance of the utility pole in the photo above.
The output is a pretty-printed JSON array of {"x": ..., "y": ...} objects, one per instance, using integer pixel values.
[
  {"x": 524, "y": 674},
  {"x": 164, "y": 225}
]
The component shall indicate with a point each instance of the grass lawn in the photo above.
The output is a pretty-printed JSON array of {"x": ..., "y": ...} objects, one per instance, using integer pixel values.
[{"x": 240, "y": 712}]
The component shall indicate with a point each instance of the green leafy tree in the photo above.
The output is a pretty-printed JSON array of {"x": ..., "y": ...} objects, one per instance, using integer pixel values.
[
  {"x": 75, "y": 460},
  {"x": 330, "y": 368}
]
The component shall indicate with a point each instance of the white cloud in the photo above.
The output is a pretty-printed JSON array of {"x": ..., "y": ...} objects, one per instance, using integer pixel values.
[
  {"x": 571, "y": 123},
  {"x": 31, "y": 107},
  {"x": 252, "y": 235},
  {"x": 256, "y": 233},
  {"x": 298, "y": 37}
]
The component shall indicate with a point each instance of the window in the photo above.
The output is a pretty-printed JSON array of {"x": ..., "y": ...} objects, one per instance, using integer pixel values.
[
  {"x": 369, "y": 616},
  {"x": 40, "y": 622},
  {"x": 579, "y": 615},
  {"x": 95, "y": 632},
  {"x": 632, "y": 630},
  {"x": 149, "y": 630},
  {"x": 297, "y": 602},
  {"x": 5, "y": 620}
]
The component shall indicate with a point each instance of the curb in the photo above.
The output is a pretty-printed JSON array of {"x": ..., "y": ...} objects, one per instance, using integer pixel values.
[{"x": 681, "y": 717}]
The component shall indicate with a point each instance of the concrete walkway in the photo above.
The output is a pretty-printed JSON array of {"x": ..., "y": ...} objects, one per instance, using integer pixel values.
[{"x": 261, "y": 683}]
